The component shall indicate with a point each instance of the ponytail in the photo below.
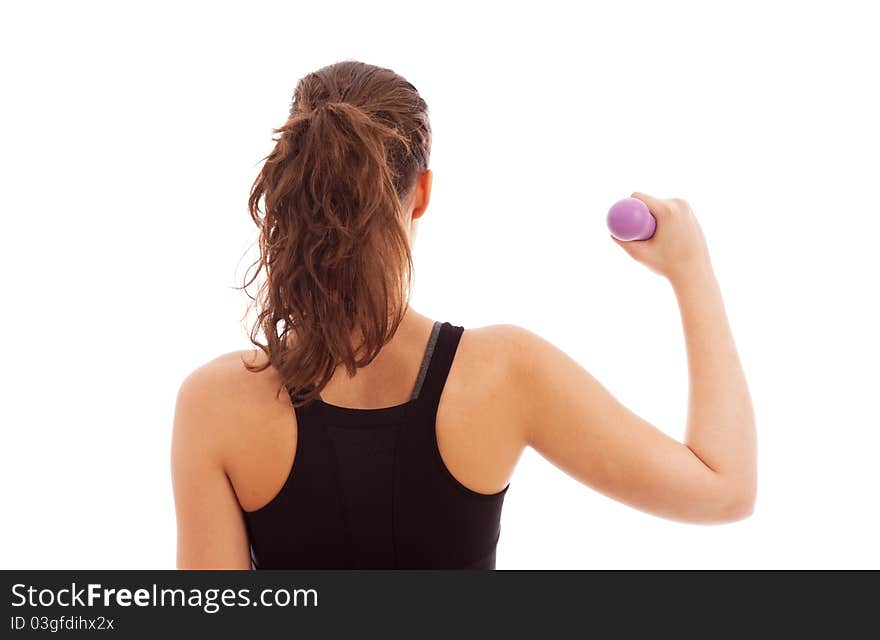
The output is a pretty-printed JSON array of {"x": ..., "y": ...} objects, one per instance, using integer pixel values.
[{"x": 333, "y": 242}]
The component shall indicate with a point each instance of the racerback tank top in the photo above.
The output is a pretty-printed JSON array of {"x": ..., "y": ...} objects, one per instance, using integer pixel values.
[{"x": 368, "y": 489}]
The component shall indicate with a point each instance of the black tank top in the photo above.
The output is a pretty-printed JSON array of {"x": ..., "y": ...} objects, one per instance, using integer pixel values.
[{"x": 368, "y": 488}]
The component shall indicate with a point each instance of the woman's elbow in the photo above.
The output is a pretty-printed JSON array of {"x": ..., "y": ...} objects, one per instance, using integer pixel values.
[
  {"x": 726, "y": 503},
  {"x": 739, "y": 503},
  {"x": 740, "y": 509}
]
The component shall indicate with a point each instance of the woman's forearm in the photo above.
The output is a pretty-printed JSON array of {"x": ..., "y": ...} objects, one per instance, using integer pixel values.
[{"x": 721, "y": 423}]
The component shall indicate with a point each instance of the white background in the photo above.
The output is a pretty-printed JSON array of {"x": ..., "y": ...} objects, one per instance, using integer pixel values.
[{"x": 131, "y": 133}]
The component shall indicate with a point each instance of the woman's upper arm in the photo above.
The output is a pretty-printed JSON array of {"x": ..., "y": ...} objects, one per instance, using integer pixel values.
[
  {"x": 575, "y": 423},
  {"x": 210, "y": 526}
]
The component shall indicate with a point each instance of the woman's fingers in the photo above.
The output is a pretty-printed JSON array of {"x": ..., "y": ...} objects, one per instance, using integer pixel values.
[{"x": 658, "y": 208}]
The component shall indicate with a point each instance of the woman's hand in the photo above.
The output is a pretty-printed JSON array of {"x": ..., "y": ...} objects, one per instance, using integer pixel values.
[{"x": 678, "y": 247}]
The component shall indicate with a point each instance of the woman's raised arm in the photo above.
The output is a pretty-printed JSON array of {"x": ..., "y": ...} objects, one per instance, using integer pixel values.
[{"x": 575, "y": 423}]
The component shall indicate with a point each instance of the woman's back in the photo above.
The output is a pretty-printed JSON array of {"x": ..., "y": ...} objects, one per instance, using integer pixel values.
[
  {"x": 370, "y": 490},
  {"x": 365, "y": 477}
]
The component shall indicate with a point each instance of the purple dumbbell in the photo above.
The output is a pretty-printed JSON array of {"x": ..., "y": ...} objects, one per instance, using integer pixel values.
[{"x": 629, "y": 219}]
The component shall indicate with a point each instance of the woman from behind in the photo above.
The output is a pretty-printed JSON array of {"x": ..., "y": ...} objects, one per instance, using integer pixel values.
[{"x": 362, "y": 434}]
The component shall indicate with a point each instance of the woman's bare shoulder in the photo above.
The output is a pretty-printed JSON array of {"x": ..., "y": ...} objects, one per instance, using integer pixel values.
[
  {"x": 507, "y": 344},
  {"x": 514, "y": 361},
  {"x": 498, "y": 355},
  {"x": 227, "y": 377},
  {"x": 221, "y": 396}
]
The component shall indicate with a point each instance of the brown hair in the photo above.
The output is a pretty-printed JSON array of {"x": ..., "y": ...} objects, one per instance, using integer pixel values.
[{"x": 333, "y": 241}]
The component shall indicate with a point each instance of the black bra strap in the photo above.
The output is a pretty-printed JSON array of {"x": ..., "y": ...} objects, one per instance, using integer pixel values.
[
  {"x": 441, "y": 363},
  {"x": 426, "y": 360}
]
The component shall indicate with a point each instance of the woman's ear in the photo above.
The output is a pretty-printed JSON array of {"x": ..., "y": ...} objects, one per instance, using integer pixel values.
[{"x": 422, "y": 195}]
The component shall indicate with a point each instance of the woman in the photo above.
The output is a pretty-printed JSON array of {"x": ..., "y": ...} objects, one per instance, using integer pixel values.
[{"x": 363, "y": 434}]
